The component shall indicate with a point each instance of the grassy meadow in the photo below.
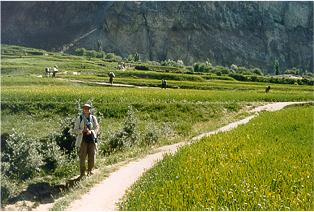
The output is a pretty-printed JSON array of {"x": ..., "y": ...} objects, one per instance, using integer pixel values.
[{"x": 38, "y": 109}]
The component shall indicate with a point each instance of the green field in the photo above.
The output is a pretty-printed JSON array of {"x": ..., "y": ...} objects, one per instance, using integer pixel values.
[
  {"x": 54, "y": 98},
  {"x": 36, "y": 109},
  {"x": 264, "y": 165}
]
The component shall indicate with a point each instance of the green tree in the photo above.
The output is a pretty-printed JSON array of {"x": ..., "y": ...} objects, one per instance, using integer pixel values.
[
  {"x": 99, "y": 45},
  {"x": 276, "y": 67},
  {"x": 196, "y": 67},
  {"x": 136, "y": 57},
  {"x": 294, "y": 71},
  {"x": 109, "y": 56},
  {"x": 130, "y": 58},
  {"x": 257, "y": 71},
  {"x": 202, "y": 67},
  {"x": 80, "y": 51}
]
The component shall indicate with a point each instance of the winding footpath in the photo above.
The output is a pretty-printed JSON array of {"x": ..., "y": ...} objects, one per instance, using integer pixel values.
[
  {"x": 106, "y": 83},
  {"x": 107, "y": 194}
]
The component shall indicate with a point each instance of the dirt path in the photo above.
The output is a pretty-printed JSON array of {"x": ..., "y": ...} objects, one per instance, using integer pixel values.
[
  {"x": 106, "y": 83},
  {"x": 105, "y": 195}
]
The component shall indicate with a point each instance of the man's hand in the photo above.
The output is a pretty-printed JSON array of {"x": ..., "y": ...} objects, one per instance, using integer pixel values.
[{"x": 86, "y": 130}]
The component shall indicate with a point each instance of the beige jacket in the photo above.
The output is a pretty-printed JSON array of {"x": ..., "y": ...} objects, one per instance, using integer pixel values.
[{"x": 79, "y": 127}]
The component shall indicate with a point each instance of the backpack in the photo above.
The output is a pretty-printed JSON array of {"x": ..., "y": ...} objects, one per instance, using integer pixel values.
[{"x": 111, "y": 74}]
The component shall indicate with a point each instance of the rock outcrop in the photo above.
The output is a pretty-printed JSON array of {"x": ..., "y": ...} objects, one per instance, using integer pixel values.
[{"x": 242, "y": 33}]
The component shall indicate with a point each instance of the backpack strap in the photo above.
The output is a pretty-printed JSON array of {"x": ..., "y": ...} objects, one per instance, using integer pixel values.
[{"x": 81, "y": 118}]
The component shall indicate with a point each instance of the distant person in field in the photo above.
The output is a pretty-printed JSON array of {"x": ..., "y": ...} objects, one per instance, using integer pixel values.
[
  {"x": 111, "y": 76},
  {"x": 54, "y": 71},
  {"x": 267, "y": 89},
  {"x": 122, "y": 66},
  {"x": 47, "y": 71},
  {"x": 163, "y": 83},
  {"x": 86, "y": 129}
]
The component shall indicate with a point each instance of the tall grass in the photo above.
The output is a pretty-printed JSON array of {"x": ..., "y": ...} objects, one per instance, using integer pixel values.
[
  {"x": 264, "y": 165},
  {"x": 186, "y": 83},
  {"x": 106, "y": 96}
]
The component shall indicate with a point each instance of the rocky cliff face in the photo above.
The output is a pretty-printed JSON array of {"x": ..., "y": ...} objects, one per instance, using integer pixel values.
[{"x": 242, "y": 33}]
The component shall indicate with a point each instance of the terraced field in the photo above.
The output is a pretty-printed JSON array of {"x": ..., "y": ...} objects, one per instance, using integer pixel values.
[
  {"x": 40, "y": 109},
  {"x": 264, "y": 165}
]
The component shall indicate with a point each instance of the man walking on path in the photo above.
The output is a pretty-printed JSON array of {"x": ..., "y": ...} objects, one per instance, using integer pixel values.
[
  {"x": 86, "y": 129},
  {"x": 111, "y": 76},
  {"x": 164, "y": 84}
]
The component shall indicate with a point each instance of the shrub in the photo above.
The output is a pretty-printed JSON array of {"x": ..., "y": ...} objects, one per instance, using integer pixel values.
[
  {"x": 209, "y": 64},
  {"x": 130, "y": 58},
  {"x": 169, "y": 62},
  {"x": 117, "y": 141},
  {"x": 80, "y": 52},
  {"x": 67, "y": 168},
  {"x": 21, "y": 157},
  {"x": 8, "y": 188},
  {"x": 141, "y": 67},
  {"x": 51, "y": 153},
  {"x": 64, "y": 138},
  {"x": 180, "y": 63},
  {"x": 239, "y": 77},
  {"x": 308, "y": 74},
  {"x": 151, "y": 134},
  {"x": 112, "y": 57},
  {"x": 100, "y": 54},
  {"x": 221, "y": 70},
  {"x": 167, "y": 130},
  {"x": 36, "y": 53},
  {"x": 306, "y": 81},
  {"x": 126, "y": 137},
  {"x": 244, "y": 71},
  {"x": 4, "y": 137},
  {"x": 134, "y": 58},
  {"x": 154, "y": 63},
  {"x": 106, "y": 148},
  {"x": 91, "y": 53},
  {"x": 109, "y": 56},
  {"x": 202, "y": 67},
  {"x": 257, "y": 71},
  {"x": 130, "y": 127},
  {"x": 293, "y": 71},
  {"x": 234, "y": 67}
]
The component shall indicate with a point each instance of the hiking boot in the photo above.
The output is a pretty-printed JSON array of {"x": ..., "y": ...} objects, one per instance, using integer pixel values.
[
  {"x": 82, "y": 175},
  {"x": 89, "y": 173}
]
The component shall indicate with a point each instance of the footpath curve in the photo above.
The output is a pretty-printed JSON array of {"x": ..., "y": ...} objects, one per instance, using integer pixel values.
[{"x": 106, "y": 195}]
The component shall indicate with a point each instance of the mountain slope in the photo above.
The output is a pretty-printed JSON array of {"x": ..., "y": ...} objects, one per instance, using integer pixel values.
[{"x": 242, "y": 33}]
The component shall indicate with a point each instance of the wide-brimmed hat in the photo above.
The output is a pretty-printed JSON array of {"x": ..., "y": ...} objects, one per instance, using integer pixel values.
[{"x": 87, "y": 105}]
